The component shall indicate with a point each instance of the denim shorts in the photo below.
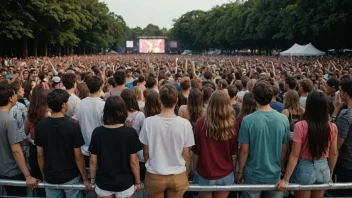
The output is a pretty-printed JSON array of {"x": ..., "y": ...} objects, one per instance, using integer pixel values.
[
  {"x": 68, "y": 193},
  {"x": 311, "y": 172},
  {"x": 225, "y": 181}
]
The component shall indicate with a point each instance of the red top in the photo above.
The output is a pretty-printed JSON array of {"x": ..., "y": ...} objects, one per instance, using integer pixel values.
[{"x": 215, "y": 160}]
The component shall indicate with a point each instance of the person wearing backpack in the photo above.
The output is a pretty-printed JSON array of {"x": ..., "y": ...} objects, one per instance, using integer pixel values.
[
  {"x": 135, "y": 119},
  {"x": 292, "y": 108}
]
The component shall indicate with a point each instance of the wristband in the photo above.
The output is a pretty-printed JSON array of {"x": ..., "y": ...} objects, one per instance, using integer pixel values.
[{"x": 286, "y": 180}]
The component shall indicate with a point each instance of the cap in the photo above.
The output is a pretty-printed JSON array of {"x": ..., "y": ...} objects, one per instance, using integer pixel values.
[{"x": 56, "y": 79}]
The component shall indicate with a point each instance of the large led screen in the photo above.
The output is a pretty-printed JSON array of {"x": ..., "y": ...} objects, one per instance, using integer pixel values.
[
  {"x": 129, "y": 44},
  {"x": 151, "y": 46}
]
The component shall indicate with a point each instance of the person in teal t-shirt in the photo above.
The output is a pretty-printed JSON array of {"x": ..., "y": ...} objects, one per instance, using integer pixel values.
[{"x": 264, "y": 135}]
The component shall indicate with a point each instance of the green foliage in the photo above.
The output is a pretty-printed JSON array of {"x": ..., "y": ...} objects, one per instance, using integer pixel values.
[
  {"x": 267, "y": 24},
  {"x": 150, "y": 30},
  {"x": 83, "y": 24}
]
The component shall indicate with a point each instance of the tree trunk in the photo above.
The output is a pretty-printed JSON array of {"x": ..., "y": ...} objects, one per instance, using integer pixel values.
[
  {"x": 45, "y": 49},
  {"x": 64, "y": 50},
  {"x": 25, "y": 48},
  {"x": 1, "y": 44},
  {"x": 46, "y": 45},
  {"x": 58, "y": 50},
  {"x": 35, "y": 47},
  {"x": 69, "y": 50}
]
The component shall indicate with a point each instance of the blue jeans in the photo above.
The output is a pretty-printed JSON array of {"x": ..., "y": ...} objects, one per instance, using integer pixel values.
[
  {"x": 225, "y": 181},
  {"x": 55, "y": 193},
  {"x": 256, "y": 194},
  {"x": 311, "y": 172}
]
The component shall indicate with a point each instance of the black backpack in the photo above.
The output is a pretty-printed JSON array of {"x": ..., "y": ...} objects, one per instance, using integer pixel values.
[{"x": 293, "y": 122}]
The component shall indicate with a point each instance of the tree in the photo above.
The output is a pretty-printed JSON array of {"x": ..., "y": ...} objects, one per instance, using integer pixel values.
[
  {"x": 59, "y": 26},
  {"x": 267, "y": 24}
]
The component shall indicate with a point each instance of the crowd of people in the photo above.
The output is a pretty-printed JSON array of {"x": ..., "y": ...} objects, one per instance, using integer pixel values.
[{"x": 114, "y": 122}]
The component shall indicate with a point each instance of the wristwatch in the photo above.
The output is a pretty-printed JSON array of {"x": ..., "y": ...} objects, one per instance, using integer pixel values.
[{"x": 333, "y": 119}]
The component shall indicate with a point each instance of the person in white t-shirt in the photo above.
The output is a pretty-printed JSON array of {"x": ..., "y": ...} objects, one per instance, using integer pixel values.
[
  {"x": 244, "y": 90},
  {"x": 167, "y": 139},
  {"x": 89, "y": 113},
  {"x": 305, "y": 86},
  {"x": 69, "y": 82}
]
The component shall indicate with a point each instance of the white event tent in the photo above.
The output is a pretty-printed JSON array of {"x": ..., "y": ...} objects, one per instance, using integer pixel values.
[{"x": 302, "y": 50}]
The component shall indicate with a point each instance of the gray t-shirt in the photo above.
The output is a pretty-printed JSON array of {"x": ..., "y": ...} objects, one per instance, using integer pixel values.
[
  {"x": 344, "y": 126},
  {"x": 9, "y": 135},
  {"x": 138, "y": 117},
  {"x": 89, "y": 114},
  {"x": 72, "y": 101}
]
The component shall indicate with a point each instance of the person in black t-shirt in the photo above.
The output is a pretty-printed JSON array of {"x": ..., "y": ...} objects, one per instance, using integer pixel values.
[
  {"x": 113, "y": 149},
  {"x": 59, "y": 142}
]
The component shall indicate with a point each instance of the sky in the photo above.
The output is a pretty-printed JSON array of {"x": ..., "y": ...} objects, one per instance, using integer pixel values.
[{"x": 158, "y": 12}]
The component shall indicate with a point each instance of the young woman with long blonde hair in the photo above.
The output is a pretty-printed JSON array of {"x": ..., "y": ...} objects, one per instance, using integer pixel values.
[
  {"x": 215, "y": 151},
  {"x": 138, "y": 90},
  {"x": 292, "y": 107}
]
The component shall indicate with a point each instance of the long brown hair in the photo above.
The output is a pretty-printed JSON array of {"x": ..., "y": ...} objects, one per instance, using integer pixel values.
[
  {"x": 249, "y": 106},
  {"x": 82, "y": 90},
  {"x": 219, "y": 119},
  {"x": 38, "y": 106},
  {"x": 130, "y": 100},
  {"x": 195, "y": 104},
  {"x": 319, "y": 128},
  {"x": 152, "y": 105},
  {"x": 27, "y": 86},
  {"x": 291, "y": 102}
]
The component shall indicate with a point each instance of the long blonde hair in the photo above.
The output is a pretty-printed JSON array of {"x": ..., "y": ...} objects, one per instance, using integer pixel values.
[
  {"x": 291, "y": 102},
  {"x": 138, "y": 90},
  {"x": 219, "y": 119}
]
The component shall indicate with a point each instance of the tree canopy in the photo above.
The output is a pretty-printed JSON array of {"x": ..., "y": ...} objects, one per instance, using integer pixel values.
[
  {"x": 267, "y": 25},
  {"x": 53, "y": 27},
  {"x": 43, "y": 27}
]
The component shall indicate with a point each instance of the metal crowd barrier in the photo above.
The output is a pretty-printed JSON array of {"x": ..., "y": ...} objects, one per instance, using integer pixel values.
[{"x": 192, "y": 187}]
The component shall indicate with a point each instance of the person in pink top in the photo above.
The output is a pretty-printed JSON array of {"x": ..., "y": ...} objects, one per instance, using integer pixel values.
[{"x": 314, "y": 150}]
